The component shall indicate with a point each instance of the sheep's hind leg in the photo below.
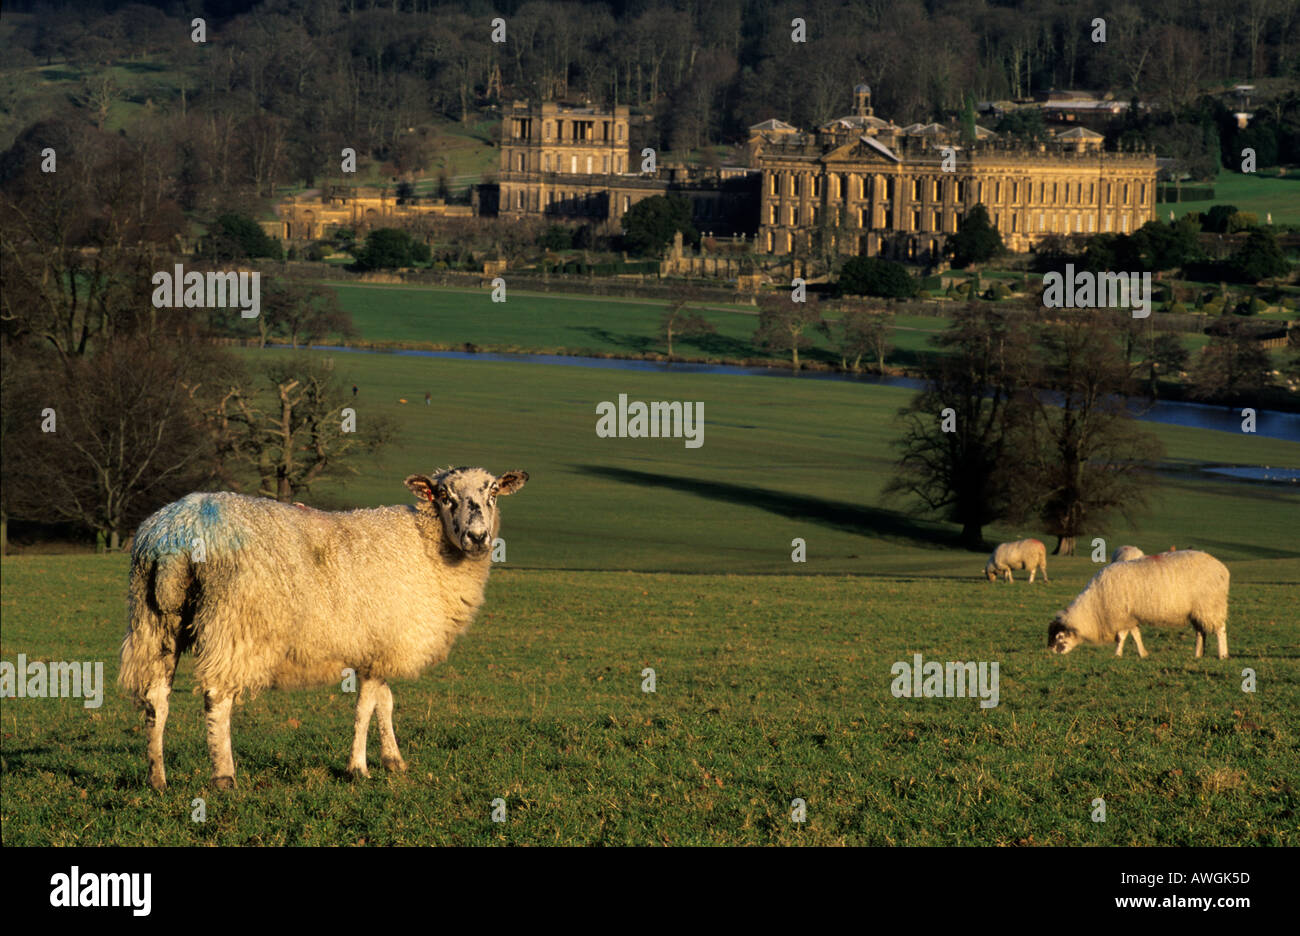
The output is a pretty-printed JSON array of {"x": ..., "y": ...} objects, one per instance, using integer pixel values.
[
  {"x": 216, "y": 711},
  {"x": 366, "y": 700},
  {"x": 1137, "y": 639},
  {"x": 1222, "y": 634},
  {"x": 389, "y": 755},
  {"x": 1119, "y": 643},
  {"x": 155, "y": 719},
  {"x": 1200, "y": 642}
]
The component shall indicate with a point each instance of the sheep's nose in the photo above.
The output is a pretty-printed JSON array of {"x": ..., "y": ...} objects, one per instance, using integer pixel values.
[{"x": 478, "y": 539}]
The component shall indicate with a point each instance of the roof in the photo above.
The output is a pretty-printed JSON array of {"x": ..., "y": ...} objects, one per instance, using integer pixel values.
[
  {"x": 857, "y": 122},
  {"x": 879, "y": 147},
  {"x": 920, "y": 129},
  {"x": 1079, "y": 133},
  {"x": 772, "y": 124}
]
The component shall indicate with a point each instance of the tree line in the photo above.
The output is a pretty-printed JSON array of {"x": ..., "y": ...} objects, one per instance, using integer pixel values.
[
  {"x": 110, "y": 406},
  {"x": 289, "y": 82}
]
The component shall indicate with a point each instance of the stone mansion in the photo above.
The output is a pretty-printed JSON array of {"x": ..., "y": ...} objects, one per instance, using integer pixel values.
[
  {"x": 860, "y": 185},
  {"x": 857, "y": 185}
]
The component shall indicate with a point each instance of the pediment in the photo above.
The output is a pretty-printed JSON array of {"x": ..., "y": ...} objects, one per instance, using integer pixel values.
[{"x": 864, "y": 149}]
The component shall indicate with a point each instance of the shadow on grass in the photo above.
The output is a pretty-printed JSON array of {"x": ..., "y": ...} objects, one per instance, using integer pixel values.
[
  {"x": 639, "y": 343},
  {"x": 721, "y": 346},
  {"x": 838, "y": 515}
]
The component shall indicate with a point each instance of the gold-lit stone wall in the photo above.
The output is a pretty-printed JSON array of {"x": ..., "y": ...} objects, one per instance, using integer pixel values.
[{"x": 865, "y": 203}]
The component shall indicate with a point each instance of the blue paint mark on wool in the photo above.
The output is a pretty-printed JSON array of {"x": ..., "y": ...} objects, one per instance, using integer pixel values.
[{"x": 178, "y": 528}]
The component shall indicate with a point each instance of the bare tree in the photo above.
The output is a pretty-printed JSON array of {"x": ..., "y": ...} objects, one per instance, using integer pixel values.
[
  {"x": 98, "y": 96},
  {"x": 958, "y": 456},
  {"x": 295, "y": 431},
  {"x": 681, "y": 322},
  {"x": 784, "y": 325},
  {"x": 116, "y": 436},
  {"x": 864, "y": 332},
  {"x": 1090, "y": 458}
]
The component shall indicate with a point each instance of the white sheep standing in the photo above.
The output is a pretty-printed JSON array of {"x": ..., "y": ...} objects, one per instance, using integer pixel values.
[
  {"x": 269, "y": 594},
  {"x": 1028, "y": 554},
  {"x": 1126, "y": 554},
  {"x": 1169, "y": 589}
]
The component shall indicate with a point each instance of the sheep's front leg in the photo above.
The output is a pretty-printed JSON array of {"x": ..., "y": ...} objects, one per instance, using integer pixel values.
[
  {"x": 389, "y": 755},
  {"x": 1200, "y": 643},
  {"x": 1031, "y": 575},
  {"x": 1137, "y": 639},
  {"x": 366, "y": 700},
  {"x": 1119, "y": 643},
  {"x": 1223, "y": 643},
  {"x": 1043, "y": 569},
  {"x": 216, "y": 712}
]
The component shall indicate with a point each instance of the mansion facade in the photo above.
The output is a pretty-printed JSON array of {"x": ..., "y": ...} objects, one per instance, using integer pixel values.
[{"x": 863, "y": 186}]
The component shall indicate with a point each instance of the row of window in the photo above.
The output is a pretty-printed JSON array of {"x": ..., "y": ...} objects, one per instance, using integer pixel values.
[
  {"x": 1008, "y": 221},
  {"x": 782, "y": 242},
  {"x": 1061, "y": 192},
  {"x": 525, "y": 202},
  {"x": 579, "y": 131},
  {"x": 572, "y": 164}
]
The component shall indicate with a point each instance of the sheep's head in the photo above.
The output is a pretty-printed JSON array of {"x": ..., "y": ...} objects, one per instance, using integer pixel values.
[
  {"x": 466, "y": 502},
  {"x": 990, "y": 572},
  {"x": 1061, "y": 637}
]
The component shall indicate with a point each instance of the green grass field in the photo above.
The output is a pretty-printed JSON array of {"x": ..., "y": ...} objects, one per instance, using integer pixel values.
[
  {"x": 426, "y": 317},
  {"x": 1261, "y": 194},
  {"x": 773, "y": 678}
]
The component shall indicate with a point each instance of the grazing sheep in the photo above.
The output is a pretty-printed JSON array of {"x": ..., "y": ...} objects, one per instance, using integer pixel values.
[
  {"x": 1126, "y": 554},
  {"x": 269, "y": 594},
  {"x": 1028, "y": 554},
  {"x": 1164, "y": 590}
]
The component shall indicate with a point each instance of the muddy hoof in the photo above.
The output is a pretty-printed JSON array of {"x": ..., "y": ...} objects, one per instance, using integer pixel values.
[
  {"x": 224, "y": 783},
  {"x": 359, "y": 773},
  {"x": 394, "y": 764}
]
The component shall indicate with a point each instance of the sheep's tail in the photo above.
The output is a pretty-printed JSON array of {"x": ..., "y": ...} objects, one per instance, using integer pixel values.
[{"x": 157, "y": 631}]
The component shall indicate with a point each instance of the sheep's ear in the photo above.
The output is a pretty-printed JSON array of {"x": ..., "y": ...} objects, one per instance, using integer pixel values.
[
  {"x": 510, "y": 482},
  {"x": 420, "y": 486}
]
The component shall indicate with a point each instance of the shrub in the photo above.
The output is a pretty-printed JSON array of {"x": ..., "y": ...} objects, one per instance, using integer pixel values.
[{"x": 874, "y": 276}]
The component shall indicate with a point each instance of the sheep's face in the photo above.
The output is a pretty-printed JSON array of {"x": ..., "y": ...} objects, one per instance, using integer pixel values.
[
  {"x": 1061, "y": 638},
  {"x": 466, "y": 502},
  {"x": 989, "y": 572}
]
